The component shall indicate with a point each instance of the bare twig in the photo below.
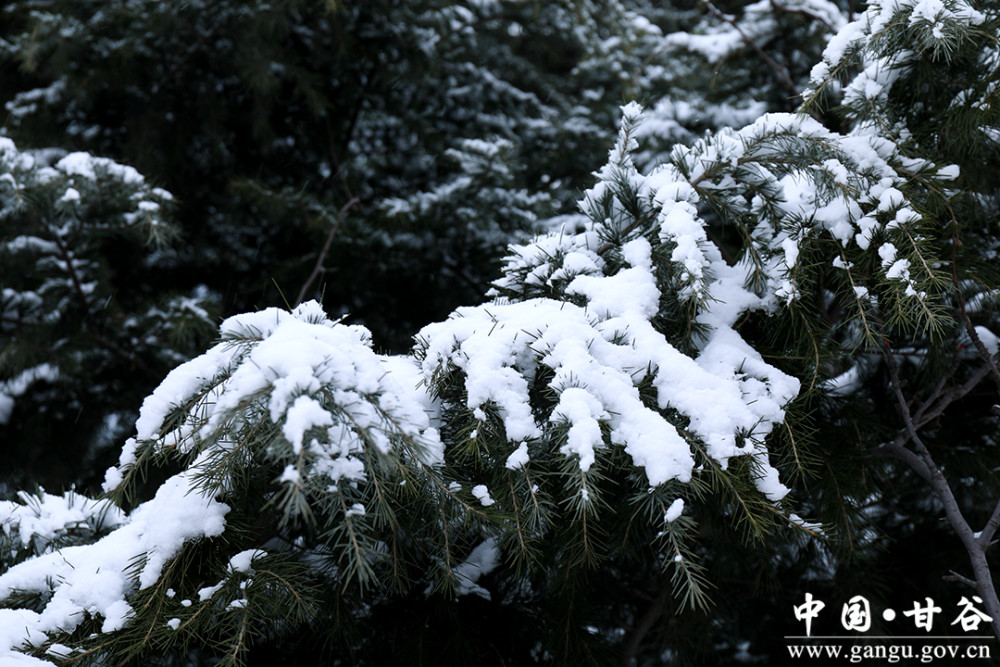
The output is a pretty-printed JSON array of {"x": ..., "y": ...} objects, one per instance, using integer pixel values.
[
  {"x": 925, "y": 414},
  {"x": 990, "y": 529},
  {"x": 955, "y": 576},
  {"x": 977, "y": 341},
  {"x": 779, "y": 69},
  {"x": 812, "y": 16},
  {"x": 638, "y": 634},
  {"x": 318, "y": 269},
  {"x": 962, "y": 311},
  {"x": 897, "y": 449},
  {"x": 935, "y": 394},
  {"x": 953, "y": 513}
]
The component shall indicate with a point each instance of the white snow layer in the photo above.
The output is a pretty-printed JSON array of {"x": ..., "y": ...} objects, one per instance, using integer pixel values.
[
  {"x": 42, "y": 521},
  {"x": 483, "y": 560},
  {"x": 600, "y": 354},
  {"x": 319, "y": 380},
  {"x": 95, "y": 579},
  {"x": 674, "y": 511}
]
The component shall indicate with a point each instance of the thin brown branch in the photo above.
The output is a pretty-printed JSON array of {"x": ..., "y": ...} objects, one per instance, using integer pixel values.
[
  {"x": 990, "y": 529},
  {"x": 812, "y": 16},
  {"x": 977, "y": 341},
  {"x": 779, "y": 69},
  {"x": 645, "y": 624},
  {"x": 962, "y": 310},
  {"x": 955, "y": 576},
  {"x": 897, "y": 450},
  {"x": 953, "y": 513},
  {"x": 938, "y": 389},
  {"x": 937, "y": 479},
  {"x": 924, "y": 414},
  {"x": 319, "y": 269}
]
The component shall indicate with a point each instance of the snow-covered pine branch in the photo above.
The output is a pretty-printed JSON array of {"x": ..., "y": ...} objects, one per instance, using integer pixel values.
[
  {"x": 41, "y": 523},
  {"x": 297, "y": 415},
  {"x": 610, "y": 366},
  {"x": 584, "y": 415},
  {"x": 289, "y": 402},
  {"x": 594, "y": 341}
]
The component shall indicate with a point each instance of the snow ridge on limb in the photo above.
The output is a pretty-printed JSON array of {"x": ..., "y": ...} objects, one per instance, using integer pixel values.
[
  {"x": 599, "y": 354},
  {"x": 585, "y": 307},
  {"x": 95, "y": 580},
  {"x": 642, "y": 295},
  {"x": 292, "y": 393},
  {"x": 40, "y": 523},
  {"x": 317, "y": 381}
]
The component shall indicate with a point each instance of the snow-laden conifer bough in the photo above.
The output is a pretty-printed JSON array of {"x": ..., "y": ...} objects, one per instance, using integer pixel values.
[{"x": 613, "y": 356}]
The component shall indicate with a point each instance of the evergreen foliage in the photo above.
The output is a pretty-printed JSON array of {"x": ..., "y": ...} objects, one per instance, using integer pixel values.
[
  {"x": 592, "y": 466},
  {"x": 81, "y": 329},
  {"x": 267, "y": 119},
  {"x": 921, "y": 74},
  {"x": 377, "y": 156}
]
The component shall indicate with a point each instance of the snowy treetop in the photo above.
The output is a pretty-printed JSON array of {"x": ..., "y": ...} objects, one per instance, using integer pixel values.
[{"x": 868, "y": 53}]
